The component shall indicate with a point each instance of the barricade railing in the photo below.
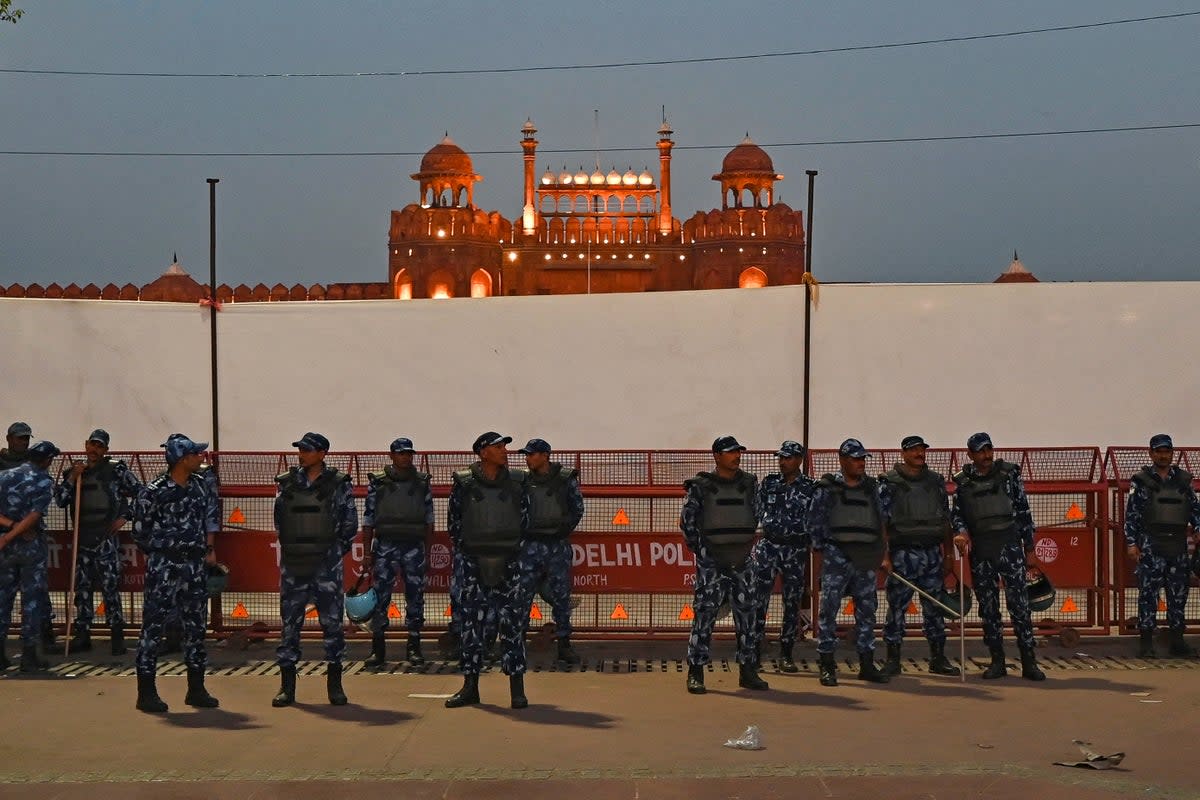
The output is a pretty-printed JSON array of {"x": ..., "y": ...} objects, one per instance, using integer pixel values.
[
  {"x": 1120, "y": 464},
  {"x": 632, "y": 574}
]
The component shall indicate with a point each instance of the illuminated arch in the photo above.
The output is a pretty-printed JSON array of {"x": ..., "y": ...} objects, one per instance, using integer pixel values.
[
  {"x": 481, "y": 283},
  {"x": 440, "y": 285},
  {"x": 402, "y": 285},
  {"x": 752, "y": 278}
]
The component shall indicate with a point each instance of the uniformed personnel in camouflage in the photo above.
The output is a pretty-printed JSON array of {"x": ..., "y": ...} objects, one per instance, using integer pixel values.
[
  {"x": 25, "y": 493},
  {"x": 846, "y": 524},
  {"x": 994, "y": 525},
  {"x": 783, "y": 548},
  {"x": 397, "y": 526},
  {"x": 108, "y": 487},
  {"x": 555, "y": 510},
  {"x": 719, "y": 520},
  {"x": 317, "y": 522},
  {"x": 174, "y": 522},
  {"x": 1160, "y": 508}
]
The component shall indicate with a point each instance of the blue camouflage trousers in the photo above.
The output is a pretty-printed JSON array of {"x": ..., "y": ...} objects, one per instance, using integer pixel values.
[
  {"x": 408, "y": 559},
  {"x": 790, "y": 562},
  {"x": 712, "y": 587},
  {"x": 552, "y": 558},
  {"x": 23, "y": 566},
  {"x": 508, "y": 604},
  {"x": 100, "y": 564},
  {"x": 1156, "y": 572},
  {"x": 840, "y": 577},
  {"x": 922, "y": 566},
  {"x": 985, "y": 578},
  {"x": 326, "y": 589},
  {"x": 173, "y": 587}
]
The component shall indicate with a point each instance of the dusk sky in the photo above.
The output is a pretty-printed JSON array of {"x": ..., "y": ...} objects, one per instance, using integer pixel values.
[{"x": 1101, "y": 206}]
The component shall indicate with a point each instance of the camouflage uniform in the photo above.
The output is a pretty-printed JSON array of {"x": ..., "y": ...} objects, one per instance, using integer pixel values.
[
  {"x": 1009, "y": 564},
  {"x": 507, "y": 602},
  {"x": 715, "y": 582},
  {"x": 919, "y": 562},
  {"x": 550, "y": 556},
  {"x": 1158, "y": 570},
  {"x": 326, "y": 585},
  {"x": 782, "y": 550},
  {"x": 24, "y": 490},
  {"x": 171, "y": 525},
  {"x": 101, "y": 560},
  {"x": 840, "y": 575},
  {"x": 406, "y": 557}
]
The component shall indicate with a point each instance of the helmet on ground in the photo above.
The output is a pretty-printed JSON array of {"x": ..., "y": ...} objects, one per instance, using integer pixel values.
[
  {"x": 218, "y": 578},
  {"x": 1040, "y": 590},
  {"x": 949, "y": 596},
  {"x": 360, "y": 605}
]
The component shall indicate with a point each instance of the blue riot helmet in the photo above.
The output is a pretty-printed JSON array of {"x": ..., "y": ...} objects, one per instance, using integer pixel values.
[{"x": 360, "y": 605}]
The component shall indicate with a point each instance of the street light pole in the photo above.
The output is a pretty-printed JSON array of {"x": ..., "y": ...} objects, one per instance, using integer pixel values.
[
  {"x": 812, "y": 175},
  {"x": 212, "y": 309}
]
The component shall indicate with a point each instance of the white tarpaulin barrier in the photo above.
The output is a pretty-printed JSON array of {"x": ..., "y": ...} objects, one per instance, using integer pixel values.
[{"x": 1035, "y": 364}]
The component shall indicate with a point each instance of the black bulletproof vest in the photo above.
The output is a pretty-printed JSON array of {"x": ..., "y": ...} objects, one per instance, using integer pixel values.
[
  {"x": 919, "y": 513},
  {"x": 491, "y": 511},
  {"x": 96, "y": 508},
  {"x": 727, "y": 521},
  {"x": 400, "y": 505},
  {"x": 1168, "y": 511},
  {"x": 549, "y": 503},
  {"x": 307, "y": 529},
  {"x": 855, "y": 523},
  {"x": 989, "y": 512}
]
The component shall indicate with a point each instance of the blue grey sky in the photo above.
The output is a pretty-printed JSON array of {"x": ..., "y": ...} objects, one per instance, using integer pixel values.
[{"x": 1114, "y": 206}]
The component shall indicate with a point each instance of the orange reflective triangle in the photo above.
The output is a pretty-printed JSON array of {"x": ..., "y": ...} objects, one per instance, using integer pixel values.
[
  {"x": 619, "y": 612},
  {"x": 1069, "y": 606},
  {"x": 849, "y": 609},
  {"x": 535, "y": 612},
  {"x": 912, "y": 607},
  {"x": 1162, "y": 604},
  {"x": 239, "y": 612},
  {"x": 1075, "y": 513},
  {"x": 100, "y": 608},
  {"x": 237, "y": 517},
  {"x": 311, "y": 613},
  {"x": 448, "y": 613},
  {"x": 620, "y": 518},
  {"x": 686, "y": 612},
  {"x": 393, "y": 612}
]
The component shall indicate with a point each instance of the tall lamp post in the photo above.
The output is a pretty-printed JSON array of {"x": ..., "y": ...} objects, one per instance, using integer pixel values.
[
  {"x": 212, "y": 309},
  {"x": 812, "y": 175}
]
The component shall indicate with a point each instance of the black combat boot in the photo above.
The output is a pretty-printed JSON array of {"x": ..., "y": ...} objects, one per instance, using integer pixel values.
[
  {"x": 516, "y": 688},
  {"x": 566, "y": 653},
  {"x": 118, "y": 639},
  {"x": 867, "y": 671},
  {"x": 31, "y": 661},
  {"x": 197, "y": 695},
  {"x": 333, "y": 685},
  {"x": 468, "y": 695},
  {"x": 50, "y": 642},
  {"x": 938, "y": 663},
  {"x": 4, "y": 662},
  {"x": 287, "y": 686},
  {"x": 1146, "y": 645},
  {"x": 827, "y": 669},
  {"x": 786, "y": 663},
  {"x": 378, "y": 657},
  {"x": 997, "y": 669},
  {"x": 1029, "y": 666},
  {"x": 891, "y": 666},
  {"x": 81, "y": 642},
  {"x": 748, "y": 678},
  {"x": 695, "y": 679},
  {"x": 413, "y": 651},
  {"x": 1180, "y": 648},
  {"x": 148, "y": 699}
]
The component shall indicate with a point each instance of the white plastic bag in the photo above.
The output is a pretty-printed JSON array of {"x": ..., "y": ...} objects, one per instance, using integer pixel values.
[{"x": 750, "y": 739}]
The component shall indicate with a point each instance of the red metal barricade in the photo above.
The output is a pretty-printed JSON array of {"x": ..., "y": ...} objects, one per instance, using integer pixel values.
[{"x": 632, "y": 573}]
